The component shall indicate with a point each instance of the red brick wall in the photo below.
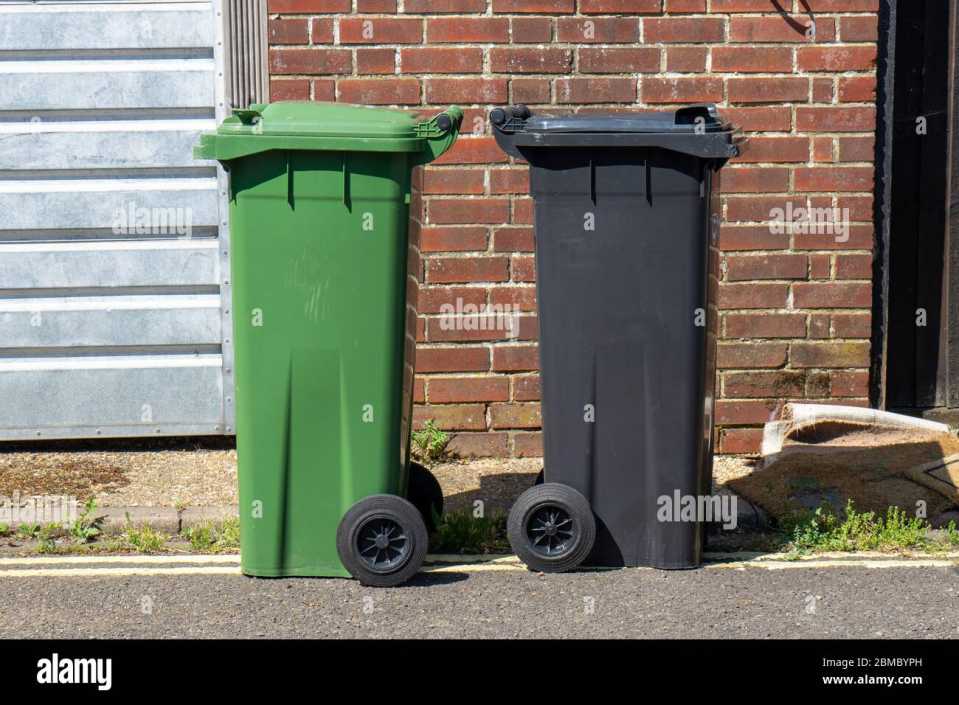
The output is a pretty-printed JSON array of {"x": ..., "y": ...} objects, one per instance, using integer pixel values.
[{"x": 794, "y": 308}]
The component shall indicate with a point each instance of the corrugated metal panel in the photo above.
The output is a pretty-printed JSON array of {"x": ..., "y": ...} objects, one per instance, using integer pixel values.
[{"x": 114, "y": 249}]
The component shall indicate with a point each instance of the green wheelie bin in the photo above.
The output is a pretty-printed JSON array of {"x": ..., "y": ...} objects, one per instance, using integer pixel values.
[{"x": 319, "y": 201}]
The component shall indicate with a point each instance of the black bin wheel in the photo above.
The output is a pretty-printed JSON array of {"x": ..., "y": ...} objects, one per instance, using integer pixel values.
[
  {"x": 425, "y": 493},
  {"x": 551, "y": 527},
  {"x": 382, "y": 540}
]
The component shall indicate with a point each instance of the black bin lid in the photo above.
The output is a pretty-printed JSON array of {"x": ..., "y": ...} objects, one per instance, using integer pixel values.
[
  {"x": 696, "y": 130},
  {"x": 685, "y": 119}
]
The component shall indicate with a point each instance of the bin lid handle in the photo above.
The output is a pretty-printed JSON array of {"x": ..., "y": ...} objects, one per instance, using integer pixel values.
[{"x": 439, "y": 133}]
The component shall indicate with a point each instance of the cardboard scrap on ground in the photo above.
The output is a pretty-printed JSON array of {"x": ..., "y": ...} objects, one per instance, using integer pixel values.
[{"x": 823, "y": 454}]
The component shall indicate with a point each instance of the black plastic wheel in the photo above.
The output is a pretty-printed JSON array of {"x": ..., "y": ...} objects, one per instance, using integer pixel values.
[
  {"x": 382, "y": 540},
  {"x": 551, "y": 527},
  {"x": 425, "y": 493}
]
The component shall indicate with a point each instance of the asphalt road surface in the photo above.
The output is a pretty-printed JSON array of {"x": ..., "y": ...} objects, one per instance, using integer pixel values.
[{"x": 808, "y": 602}]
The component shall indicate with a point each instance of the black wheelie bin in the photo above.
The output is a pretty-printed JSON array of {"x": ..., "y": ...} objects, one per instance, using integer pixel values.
[{"x": 626, "y": 228}]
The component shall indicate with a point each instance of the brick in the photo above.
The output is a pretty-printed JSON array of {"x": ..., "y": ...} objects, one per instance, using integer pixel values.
[
  {"x": 375, "y": 61},
  {"x": 775, "y": 149},
  {"x": 823, "y": 149},
  {"x": 441, "y": 60},
  {"x": 515, "y": 358},
  {"x": 453, "y": 239},
  {"x": 528, "y": 445},
  {"x": 731, "y": 6},
  {"x": 531, "y": 30},
  {"x": 759, "y": 208},
  {"x": 515, "y": 416},
  {"x": 836, "y": 59},
  {"x": 452, "y": 359},
  {"x": 312, "y": 61},
  {"x": 832, "y": 295},
  {"x": 322, "y": 30},
  {"x": 466, "y": 90},
  {"x": 523, "y": 297},
  {"x": 474, "y": 30},
  {"x": 442, "y": 390},
  {"x": 854, "y": 325},
  {"x": 697, "y": 89},
  {"x": 526, "y": 388},
  {"x": 479, "y": 445},
  {"x": 756, "y": 267},
  {"x": 473, "y": 150},
  {"x": 820, "y": 266},
  {"x": 324, "y": 90},
  {"x": 289, "y": 89},
  {"x": 452, "y": 211},
  {"x": 823, "y": 89},
  {"x": 380, "y": 30},
  {"x": 454, "y": 181},
  {"x": 760, "y": 119},
  {"x": 860, "y": 207},
  {"x": 392, "y": 91},
  {"x": 289, "y": 31},
  {"x": 823, "y": 354},
  {"x": 760, "y": 384},
  {"x": 691, "y": 6},
  {"x": 600, "y": 30},
  {"x": 750, "y": 355},
  {"x": 538, "y": 60},
  {"x": 849, "y": 384},
  {"x": 752, "y": 296},
  {"x": 437, "y": 7},
  {"x": 510, "y": 239},
  {"x": 619, "y": 60},
  {"x": 549, "y": 7},
  {"x": 816, "y": 119},
  {"x": 523, "y": 269},
  {"x": 857, "y": 89},
  {"x": 438, "y": 299},
  {"x": 765, "y": 325},
  {"x": 859, "y": 28},
  {"x": 751, "y": 237},
  {"x": 529, "y": 91},
  {"x": 833, "y": 236},
  {"x": 440, "y": 270},
  {"x": 746, "y": 411},
  {"x": 854, "y": 267},
  {"x": 767, "y": 90},
  {"x": 509, "y": 181},
  {"x": 683, "y": 30},
  {"x": 819, "y": 326},
  {"x": 686, "y": 59},
  {"x": 452, "y": 417},
  {"x": 827, "y": 179},
  {"x": 620, "y": 7},
  {"x": 778, "y": 29},
  {"x": 376, "y": 6},
  {"x": 595, "y": 90},
  {"x": 743, "y": 59},
  {"x": 740, "y": 441}
]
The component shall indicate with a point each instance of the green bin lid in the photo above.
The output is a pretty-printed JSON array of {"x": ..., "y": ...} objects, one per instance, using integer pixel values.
[{"x": 299, "y": 125}]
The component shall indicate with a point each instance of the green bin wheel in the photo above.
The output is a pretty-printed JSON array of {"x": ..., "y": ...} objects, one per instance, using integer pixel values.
[
  {"x": 425, "y": 493},
  {"x": 382, "y": 540}
]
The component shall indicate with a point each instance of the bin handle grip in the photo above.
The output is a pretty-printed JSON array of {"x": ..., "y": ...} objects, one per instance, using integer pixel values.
[{"x": 439, "y": 132}]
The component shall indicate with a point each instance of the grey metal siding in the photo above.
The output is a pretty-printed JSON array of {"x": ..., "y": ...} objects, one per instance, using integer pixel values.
[{"x": 114, "y": 248}]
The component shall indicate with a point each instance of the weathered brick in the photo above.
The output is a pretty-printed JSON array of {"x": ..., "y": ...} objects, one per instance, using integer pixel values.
[
  {"x": 538, "y": 60},
  {"x": 765, "y": 325},
  {"x": 441, "y": 60},
  {"x": 452, "y": 359},
  {"x": 467, "y": 29},
  {"x": 445, "y": 390},
  {"x": 762, "y": 384},
  {"x": 618, "y": 60},
  {"x": 832, "y": 295},
  {"x": 684, "y": 89},
  {"x": 755, "y": 267},
  {"x": 750, "y": 356},
  {"x": 447, "y": 270},
  {"x": 515, "y": 358},
  {"x": 515, "y": 415},
  {"x": 479, "y": 445},
  {"x": 600, "y": 30},
  {"x": 381, "y": 30},
  {"x": 367, "y": 91},
  {"x": 685, "y": 30},
  {"x": 595, "y": 90},
  {"x": 823, "y": 354},
  {"x": 451, "y": 417},
  {"x": 453, "y": 239}
]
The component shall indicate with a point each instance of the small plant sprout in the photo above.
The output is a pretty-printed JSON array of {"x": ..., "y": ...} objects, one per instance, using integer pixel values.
[{"x": 430, "y": 442}]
